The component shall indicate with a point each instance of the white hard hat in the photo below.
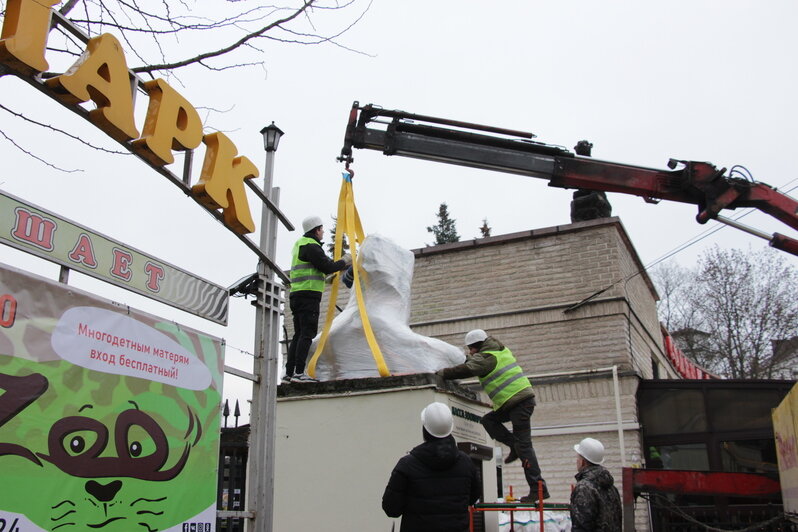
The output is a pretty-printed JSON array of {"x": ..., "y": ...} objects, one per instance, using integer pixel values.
[
  {"x": 477, "y": 335},
  {"x": 311, "y": 222},
  {"x": 591, "y": 450},
  {"x": 437, "y": 419}
]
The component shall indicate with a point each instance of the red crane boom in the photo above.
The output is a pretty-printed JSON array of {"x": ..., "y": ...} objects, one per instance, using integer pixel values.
[{"x": 503, "y": 150}]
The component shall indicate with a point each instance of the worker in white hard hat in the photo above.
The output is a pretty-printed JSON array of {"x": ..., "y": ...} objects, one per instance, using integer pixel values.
[
  {"x": 309, "y": 265},
  {"x": 595, "y": 502},
  {"x": 513, "y": 400},
  {"x": 432, "y": 487}
]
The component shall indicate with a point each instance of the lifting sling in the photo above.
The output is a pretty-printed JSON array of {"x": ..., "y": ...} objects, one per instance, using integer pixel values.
[{"x": 348, "y": 223}]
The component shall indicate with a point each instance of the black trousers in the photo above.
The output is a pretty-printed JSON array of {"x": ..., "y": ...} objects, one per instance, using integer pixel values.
[
  {"x": 305, "y": 312},
  {"x": 519, "y": 439}
]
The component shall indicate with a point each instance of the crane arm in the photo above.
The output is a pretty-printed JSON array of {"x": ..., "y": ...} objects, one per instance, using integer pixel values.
[{"x": 515, "y": 152}]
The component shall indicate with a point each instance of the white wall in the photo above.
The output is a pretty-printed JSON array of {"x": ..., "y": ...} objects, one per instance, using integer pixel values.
[{"x": 335, "y": 454}]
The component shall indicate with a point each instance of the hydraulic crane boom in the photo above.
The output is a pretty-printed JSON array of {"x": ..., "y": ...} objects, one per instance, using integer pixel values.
[{"x": 478, "y": 146}]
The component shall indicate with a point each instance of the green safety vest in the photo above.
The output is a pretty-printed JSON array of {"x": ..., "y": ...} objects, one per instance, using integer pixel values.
[
  {"x": 506, "y": 379},
  {"x": 305, "y": 276},
  {"x": 653, "y": 452}
]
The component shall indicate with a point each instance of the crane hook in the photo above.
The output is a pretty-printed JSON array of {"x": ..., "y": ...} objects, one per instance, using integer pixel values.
[{"x": 349, "y": 171}]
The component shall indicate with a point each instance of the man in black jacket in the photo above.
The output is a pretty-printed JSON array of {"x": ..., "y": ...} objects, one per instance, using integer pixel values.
[
  {"x": 309, "y": 266},
  {"x": 595, "y": 502},
  {"x": 433, "y": 486}
]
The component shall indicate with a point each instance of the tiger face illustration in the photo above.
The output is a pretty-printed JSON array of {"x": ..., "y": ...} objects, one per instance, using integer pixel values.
[{"x": 85, "y": 451}]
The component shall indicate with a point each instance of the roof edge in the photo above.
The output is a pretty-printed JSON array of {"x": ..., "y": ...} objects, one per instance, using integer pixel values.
[{"x": 542, "y": 233}]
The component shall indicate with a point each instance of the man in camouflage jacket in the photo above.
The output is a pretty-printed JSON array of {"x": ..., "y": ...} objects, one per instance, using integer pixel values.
[{"x": 595, "y": 502}]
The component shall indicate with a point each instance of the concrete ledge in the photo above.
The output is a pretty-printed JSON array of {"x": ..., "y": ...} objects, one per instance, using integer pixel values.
[{"x": 373, "y": 385}]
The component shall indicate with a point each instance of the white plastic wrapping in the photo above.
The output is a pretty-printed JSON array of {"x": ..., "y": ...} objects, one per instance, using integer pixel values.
[
  {"x": 529, "y": 521},
  {"x": 386, "y": 275}
]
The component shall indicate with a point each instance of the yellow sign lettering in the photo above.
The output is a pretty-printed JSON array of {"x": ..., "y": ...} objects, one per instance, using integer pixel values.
[
  {"x": 101, "y": 75},
  {"x": 24, "y": 37},
  {"x": 221, "y": 183},
  {"x": 172, "y": 123}
]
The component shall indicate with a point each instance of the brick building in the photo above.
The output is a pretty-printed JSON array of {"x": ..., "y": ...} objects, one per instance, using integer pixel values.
[
  {"x": 526, "y": 289},
  {"x": 578, "y": 312}
]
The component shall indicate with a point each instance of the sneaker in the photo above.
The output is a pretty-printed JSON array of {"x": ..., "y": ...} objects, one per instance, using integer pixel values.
[
  {"x": 303, "y": 377},
  {"x": 286, "y": 379},
  {"x": 512, "y": 456}
]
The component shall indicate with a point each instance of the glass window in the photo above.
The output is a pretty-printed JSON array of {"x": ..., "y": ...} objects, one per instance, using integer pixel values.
[
  {"x": 672, "y": 411},
  {"x": 739, "y": 409},
  {"x": 749, "y": 456},
  {"x": 687, "y": 456},
  {"x": 654, "y": 368}
]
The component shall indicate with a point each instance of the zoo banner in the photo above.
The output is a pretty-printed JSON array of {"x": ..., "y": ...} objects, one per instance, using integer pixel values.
[{"x": 109, "y": 417}]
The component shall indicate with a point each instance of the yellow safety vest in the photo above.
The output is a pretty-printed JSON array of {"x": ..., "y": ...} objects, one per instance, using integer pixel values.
[
  {"x": 305, "y": 276},
  {"x": 506, "y": 379}
]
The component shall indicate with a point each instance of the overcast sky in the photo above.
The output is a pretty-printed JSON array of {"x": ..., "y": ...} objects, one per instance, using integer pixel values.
[{"x": 643, "y": 81}]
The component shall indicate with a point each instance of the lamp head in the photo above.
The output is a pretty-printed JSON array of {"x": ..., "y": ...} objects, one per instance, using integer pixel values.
[{"x": 271, "y": 137}]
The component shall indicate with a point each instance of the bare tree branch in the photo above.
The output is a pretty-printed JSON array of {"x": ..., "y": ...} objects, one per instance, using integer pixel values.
[
  {"x": 735, "y": 314},
  {"x": 61, "y": 131},
  {"x": 330, "y": 39},
  {"x": 31, "y": 154},
  {"x": 151, "y": 32},
  {"x": 227, "y": 49}
]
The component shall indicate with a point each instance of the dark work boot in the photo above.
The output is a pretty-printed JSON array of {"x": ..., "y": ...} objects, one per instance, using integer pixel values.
[
  {"x": 512, "y": 456},
  {"x": 533, "y": 495}
]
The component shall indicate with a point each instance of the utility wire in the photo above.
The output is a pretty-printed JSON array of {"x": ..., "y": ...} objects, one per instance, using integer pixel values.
[
  {"x": 707, "y": 233},
  {"x": 664, "y": 257},
  {"x": 242, "y": 351},
  {"x": 740, "y": 170}
]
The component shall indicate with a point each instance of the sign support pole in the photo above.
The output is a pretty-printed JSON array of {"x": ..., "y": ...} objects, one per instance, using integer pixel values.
[{"x": 260, "y": 494}]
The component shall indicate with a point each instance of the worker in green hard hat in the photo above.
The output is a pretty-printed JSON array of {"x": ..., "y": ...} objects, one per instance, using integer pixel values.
[{"x": 513, "y": 401}]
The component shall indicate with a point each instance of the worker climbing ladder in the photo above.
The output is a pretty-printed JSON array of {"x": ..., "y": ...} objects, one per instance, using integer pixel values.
[{"x": 348, "y": 225}]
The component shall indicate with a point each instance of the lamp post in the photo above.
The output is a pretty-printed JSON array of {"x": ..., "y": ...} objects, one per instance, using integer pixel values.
[
  {"x": 268, "y": 232},
  {"x": 260, "y": 477}
]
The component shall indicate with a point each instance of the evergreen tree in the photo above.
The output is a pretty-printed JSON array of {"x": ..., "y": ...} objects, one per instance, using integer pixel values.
[
  {"x": 331, "y": 244},
  {"x": 445, "y": 230},
  {"x": 485, "y": 229}
]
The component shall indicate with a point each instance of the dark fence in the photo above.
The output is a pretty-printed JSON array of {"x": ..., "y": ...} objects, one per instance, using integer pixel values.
[
  {"x": 668, "y": 517},
  {"x": 233, "y": 452}
]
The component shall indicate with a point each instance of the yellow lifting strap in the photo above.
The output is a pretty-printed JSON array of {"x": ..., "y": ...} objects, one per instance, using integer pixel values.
[{"x": 348, "y": 224}]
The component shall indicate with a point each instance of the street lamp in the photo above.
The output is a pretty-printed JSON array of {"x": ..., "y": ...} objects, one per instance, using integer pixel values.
[
  {"x": 260, "y": 476},
  {"x": 271, "y": 137}
]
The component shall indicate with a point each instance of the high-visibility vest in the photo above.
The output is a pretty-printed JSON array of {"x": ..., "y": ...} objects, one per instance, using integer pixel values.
[
  {"x": 305, "y": 276},
  {"x": 506, "y": 379},
  {"x": 653, "y": 452}
]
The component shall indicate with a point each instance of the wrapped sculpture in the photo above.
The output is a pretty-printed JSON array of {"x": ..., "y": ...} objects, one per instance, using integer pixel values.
[{"x": 386, "y": 273}]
